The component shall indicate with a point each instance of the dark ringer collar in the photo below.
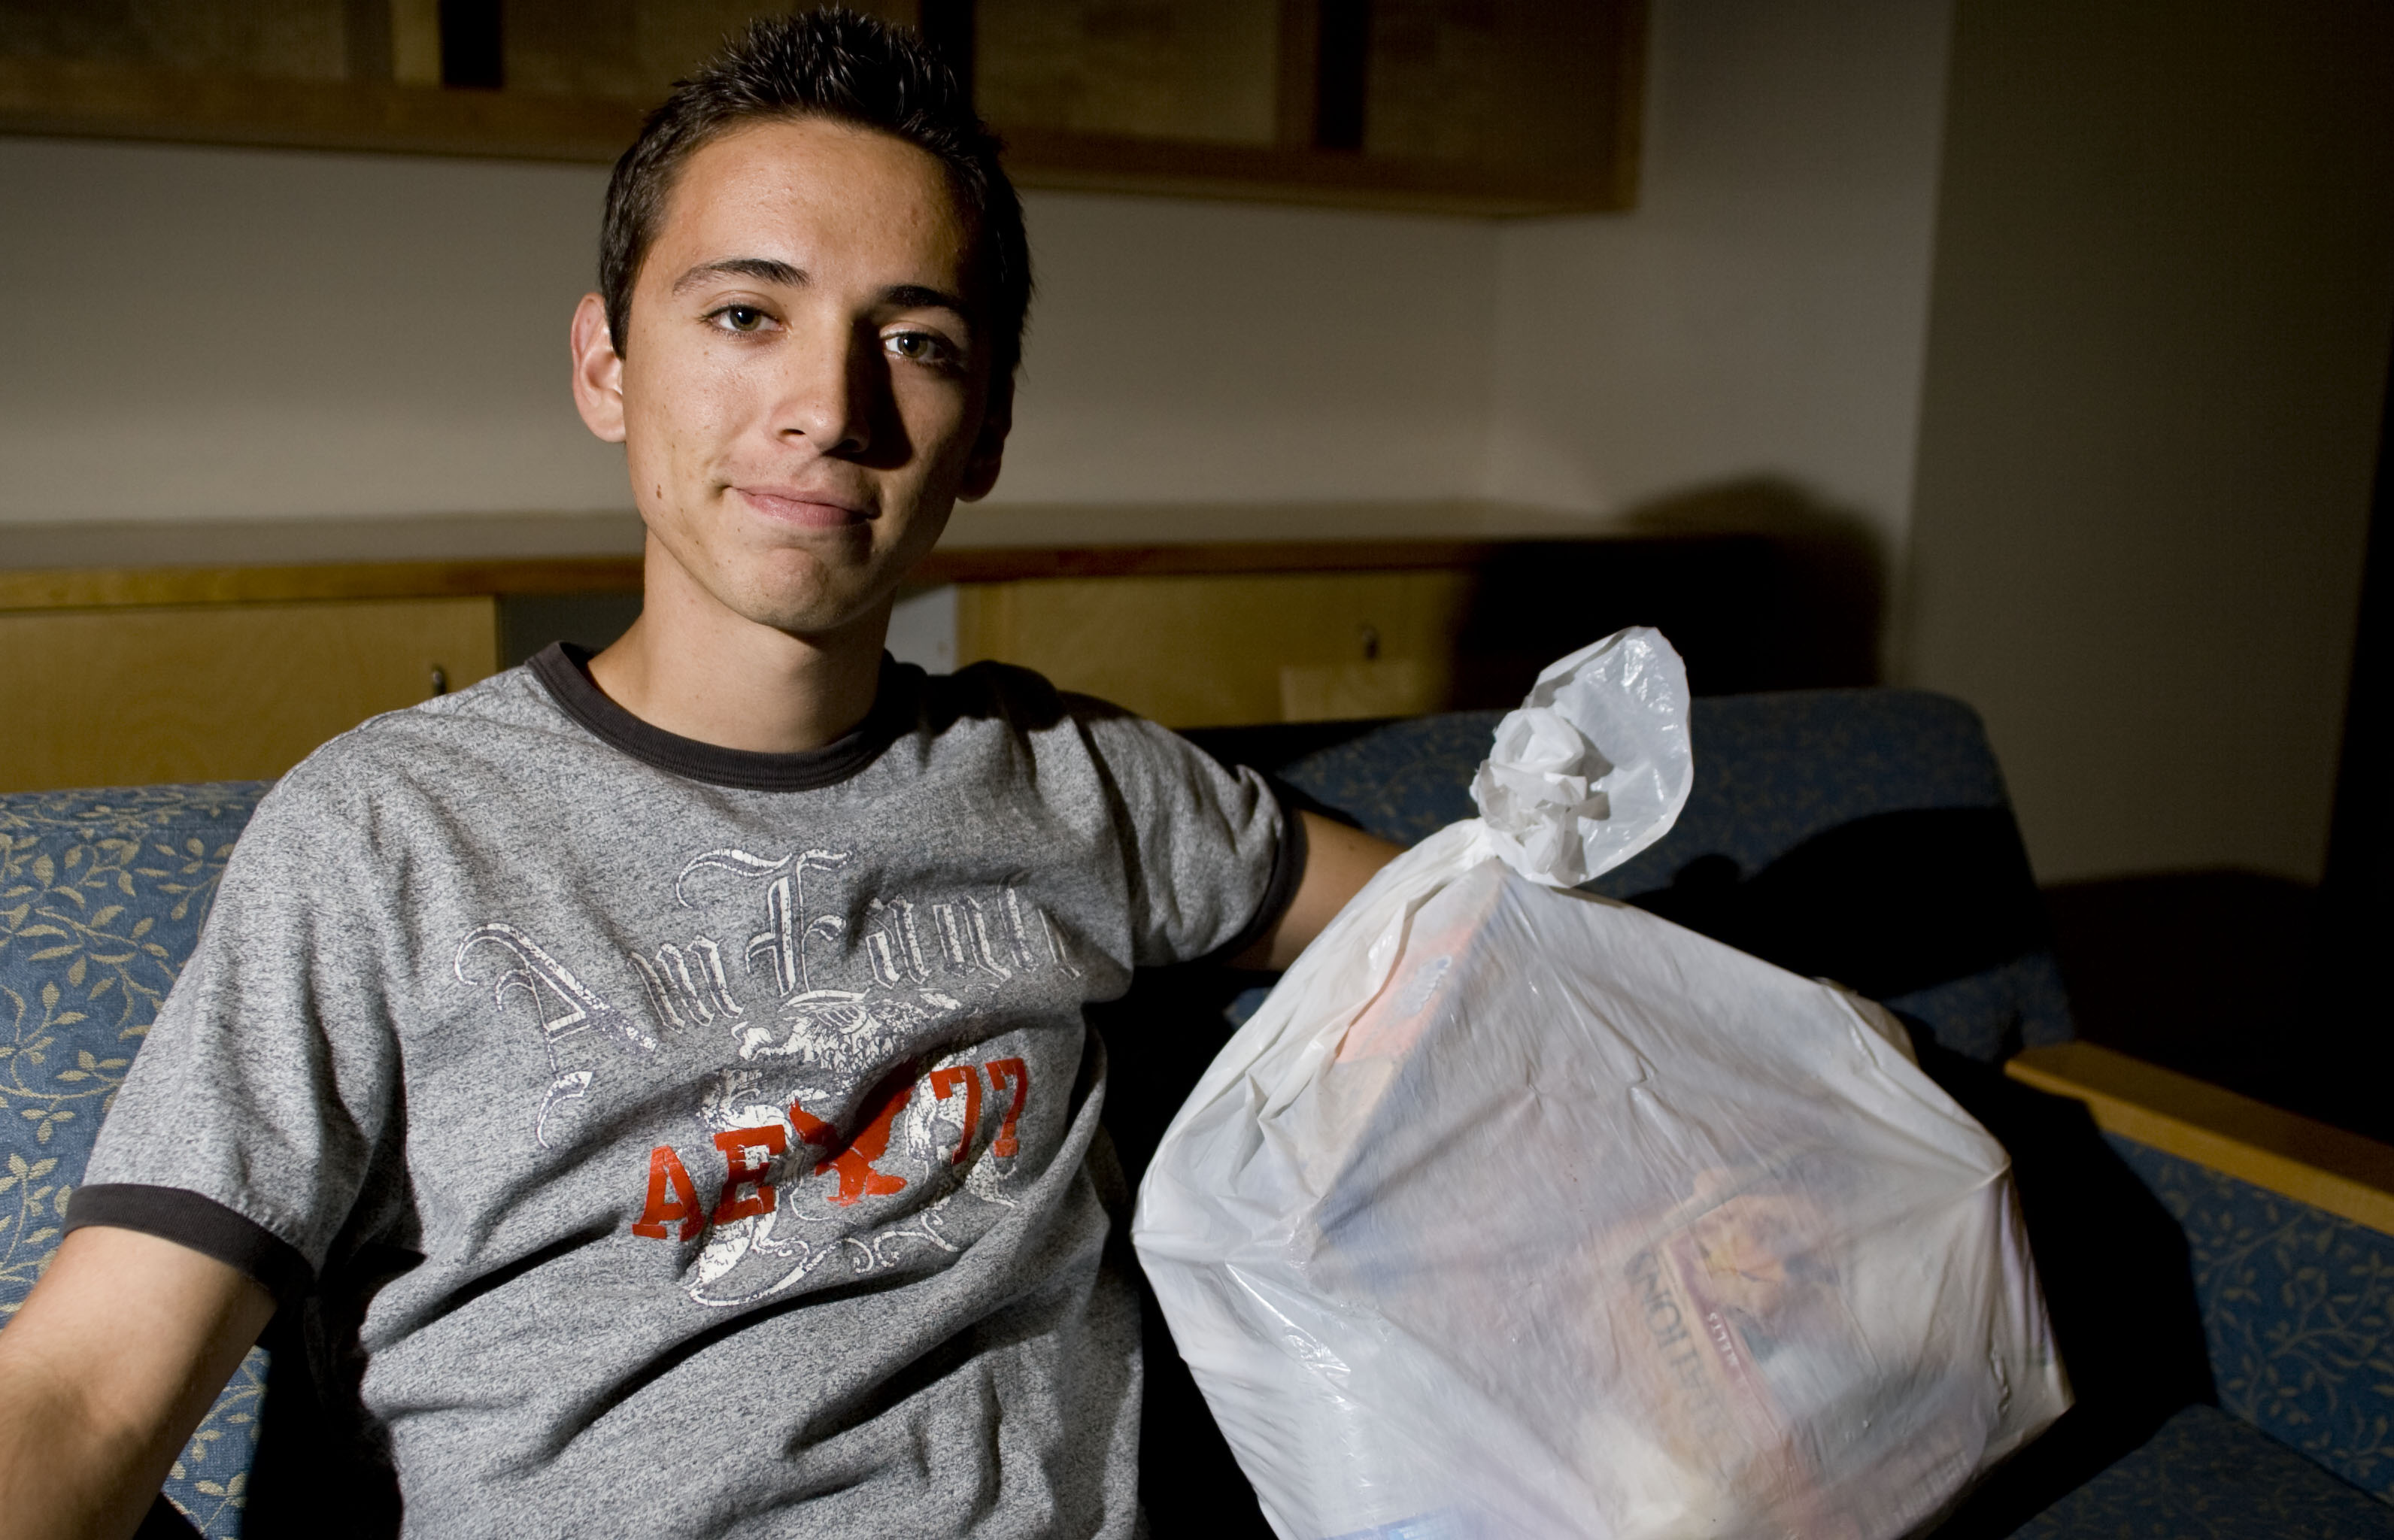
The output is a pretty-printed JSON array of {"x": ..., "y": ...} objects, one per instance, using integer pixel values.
[{"x": 564, "y": 669}]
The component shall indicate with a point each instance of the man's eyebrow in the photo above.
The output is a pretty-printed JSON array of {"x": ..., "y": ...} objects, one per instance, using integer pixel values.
[
  {"x": 765, "y": 269},
  {"x": 917, "y": 297}
]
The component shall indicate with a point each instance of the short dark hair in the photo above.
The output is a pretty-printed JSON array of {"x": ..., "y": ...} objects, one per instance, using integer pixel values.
[{"x": 829, "y": 63}]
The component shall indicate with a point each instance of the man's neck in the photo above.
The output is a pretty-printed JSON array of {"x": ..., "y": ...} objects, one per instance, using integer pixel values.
[{"x": 700, "y": 671}]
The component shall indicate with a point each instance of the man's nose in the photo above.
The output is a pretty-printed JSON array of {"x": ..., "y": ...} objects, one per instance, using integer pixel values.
[{"x": 828, "y": 387}]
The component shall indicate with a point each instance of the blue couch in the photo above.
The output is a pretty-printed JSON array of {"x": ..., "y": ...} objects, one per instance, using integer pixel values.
[
  {"x": 101, "y": 898},
  {"x": 2230, "y": 1345}
]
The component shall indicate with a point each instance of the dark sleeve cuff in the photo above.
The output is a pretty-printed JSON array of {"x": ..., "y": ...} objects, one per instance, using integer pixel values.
[
  {"x": 1279, "y": 889},
  {"x": 204, "y": 1225}
]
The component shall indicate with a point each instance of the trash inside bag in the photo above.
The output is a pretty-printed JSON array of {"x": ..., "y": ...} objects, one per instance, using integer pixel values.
[{"x": 1518, "y": 1212}]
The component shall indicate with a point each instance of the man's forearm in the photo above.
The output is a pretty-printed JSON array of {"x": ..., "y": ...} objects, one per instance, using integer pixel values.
[
  {"x": 62, "y": 1471},
  {"x": 114, "y": 1360}
]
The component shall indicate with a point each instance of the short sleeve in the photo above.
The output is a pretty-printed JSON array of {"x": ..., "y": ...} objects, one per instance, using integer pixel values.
[
  {"x": 255, "y": 1112},
  {"x": 1212, "y": 855}
]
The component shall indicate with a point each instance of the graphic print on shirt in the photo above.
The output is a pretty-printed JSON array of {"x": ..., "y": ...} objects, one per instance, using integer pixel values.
[
  {"x": 865, "y": 1112},
  {"x": 565, "y": 1006}
]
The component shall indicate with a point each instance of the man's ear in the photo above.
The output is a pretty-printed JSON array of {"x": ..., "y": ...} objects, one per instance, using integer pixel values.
[
  {"x": 989, "y": 445},
  {"x": 598, "y": 371}
]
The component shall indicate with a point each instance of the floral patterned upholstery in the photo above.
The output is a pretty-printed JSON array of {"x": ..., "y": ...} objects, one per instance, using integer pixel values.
[
  {"x": 101, "y": 898},
  {"x": 2207, "y": 1476},
  {"x": 2299, "y": 1312}
]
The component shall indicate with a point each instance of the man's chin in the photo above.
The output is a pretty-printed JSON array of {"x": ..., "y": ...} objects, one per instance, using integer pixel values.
[
  {"x": 804, "y": 598},
  {"x": 811, "y": 596},
  {"x": 820, "y": 620}
]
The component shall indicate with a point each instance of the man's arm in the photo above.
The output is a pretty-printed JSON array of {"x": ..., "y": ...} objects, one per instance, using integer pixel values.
[
  {"x": 114, "y": 1360},
  {"x": 1338, "y": 862}
]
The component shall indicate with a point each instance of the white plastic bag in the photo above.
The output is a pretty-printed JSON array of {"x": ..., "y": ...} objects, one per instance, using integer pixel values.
[{"x": 1515, "y": 1212}]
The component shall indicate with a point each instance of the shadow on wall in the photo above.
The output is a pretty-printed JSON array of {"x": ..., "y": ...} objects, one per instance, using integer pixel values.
[
  {"x": 1757, "y": 583},
  {"x": 2234, "y": 977},
  {"x": 1827, "y": 602}
]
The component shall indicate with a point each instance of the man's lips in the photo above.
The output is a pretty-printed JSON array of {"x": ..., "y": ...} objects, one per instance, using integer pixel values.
[{"x": 812, "y": 510}]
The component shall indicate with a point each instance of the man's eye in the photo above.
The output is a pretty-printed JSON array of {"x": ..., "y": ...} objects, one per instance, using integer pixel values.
[
  {"x": 739, "y": 318},
  {"x": 919, "y": 348}
]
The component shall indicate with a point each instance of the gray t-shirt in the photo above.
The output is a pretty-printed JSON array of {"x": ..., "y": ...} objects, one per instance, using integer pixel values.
[{"x": 708, "y": 1140}]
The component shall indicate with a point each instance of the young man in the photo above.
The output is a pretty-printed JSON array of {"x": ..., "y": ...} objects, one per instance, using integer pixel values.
[{"x": 663, "y": 1073}]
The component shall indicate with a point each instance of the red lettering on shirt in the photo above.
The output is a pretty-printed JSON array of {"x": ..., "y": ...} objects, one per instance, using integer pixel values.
[
  {"x": 944, "y": 1084},
  {"x": 1000, "y": 1072},
  {"x": 812, "y": 1129},
  {"x": 858, "y": 1179},
  {"x": 748, "y": 1152},
  {"x": 672, "y": 1199}
]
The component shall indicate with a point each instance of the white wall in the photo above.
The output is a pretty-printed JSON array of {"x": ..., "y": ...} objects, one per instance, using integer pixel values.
[
  {"x": 202, "y": 334},
  {"x": 1195, "y": 352},
  {"x": 221, "y": 333},
  {"x": 2165, "y": 277},
  {"x": 1762, "y": 311}
]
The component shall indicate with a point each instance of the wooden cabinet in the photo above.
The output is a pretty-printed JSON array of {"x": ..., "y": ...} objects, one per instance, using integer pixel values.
[
  {"x": 1491, "y": 107},
  {"x": 1231, "y": 648},
  {"x": 114, "y": 676},
  {"x": 127, "y": 677},
  {"x": 218, "y": 692},
  {"x": 1485, "y": 107},
  {"x": 1269, "y": 631}
]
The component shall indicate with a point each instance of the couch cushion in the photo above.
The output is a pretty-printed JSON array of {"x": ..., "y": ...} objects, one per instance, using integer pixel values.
[
  {"x": 2207, "y": 1476},
  {"x": 101, "y": 898},
  {"x": 1860, "y": 835}
]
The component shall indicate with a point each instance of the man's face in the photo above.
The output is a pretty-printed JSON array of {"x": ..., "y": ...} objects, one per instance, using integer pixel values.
[{"x": 804, "y": 395}]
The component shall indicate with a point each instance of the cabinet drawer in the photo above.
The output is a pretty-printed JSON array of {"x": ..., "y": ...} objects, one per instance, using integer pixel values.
[
  {"x": 217, "y": 692},
  {"x": 1216, "y": 651}
]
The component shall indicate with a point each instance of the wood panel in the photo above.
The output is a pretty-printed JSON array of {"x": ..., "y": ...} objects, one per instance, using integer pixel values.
[
  {"x": 218, "y": 692},
  {"x": 97, "y": 587},
  {"x": 75, "y": 97},
  {"x": 1500, "y": 107},
  {"x": 631, "y": 50},
  {"x": 275, "y": 39},
  {"x": 1212, "y": 651},
  {"x": 1508, "y": 82},
  {"x": 1040, "y": 157},
  {"x": 92, "y": 587},
  {"x": 1199, "y": 70},
  {"x": 1011, "y": 563},
  {"x": 2279, "y": 1151}
]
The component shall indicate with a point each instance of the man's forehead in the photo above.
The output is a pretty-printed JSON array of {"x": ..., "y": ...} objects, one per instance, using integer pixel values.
[{"x": 764, "y": 190}]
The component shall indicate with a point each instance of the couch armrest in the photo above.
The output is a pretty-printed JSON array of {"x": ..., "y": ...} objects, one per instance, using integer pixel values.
[{"x": 2266, "y": 1146}]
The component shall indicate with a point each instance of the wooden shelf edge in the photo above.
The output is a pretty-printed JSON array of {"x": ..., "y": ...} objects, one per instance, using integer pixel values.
[
  {"x": 1362, "y": 196},
  {"x": 111, "y": 101},
  {"x": 2280, "y": 1151},
  {"x": 1036, "y": 158},
  {"x": 113, "y": 587},
  {"x": 85, "y": 100},
  {"x": 1016, "y": 564}
]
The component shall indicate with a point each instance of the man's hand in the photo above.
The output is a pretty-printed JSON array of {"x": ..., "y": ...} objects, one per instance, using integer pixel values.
[
  {"x": 1338, "y": 862},
  {"x": 114, "y": 1360}
]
